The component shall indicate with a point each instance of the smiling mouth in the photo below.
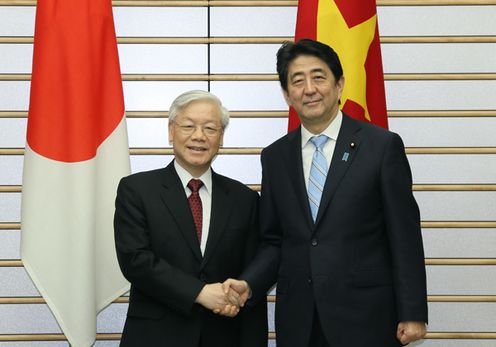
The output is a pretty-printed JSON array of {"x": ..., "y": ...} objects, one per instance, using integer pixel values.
[
  {"x": 310, "y": 103},
  {"x": 197, "y": 149}
]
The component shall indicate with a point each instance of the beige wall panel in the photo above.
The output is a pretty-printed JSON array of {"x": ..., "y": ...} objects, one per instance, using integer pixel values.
[
  {"x": 250, "y": 95},
  {"x": 439, "y": 58},
  {"x": 15, "y": 95},
  {"x": 13, "y": 132},
  {"x": 446, "y": 132},
  {"x": 19, "y": 318},
  {"x": 155, "y": 95},
  {"x": 440, "y": 95},
  {"x": 244, "y": 168},
  {"x": 148, "y": 132},
  {"x": 160, "y": 21},
  {"x": 163, "y": 59},
  {"x": 461, "y": 280},
  {"x": 252, "y": 21},
  {"x": 10, "y": 244},
  {"x": 459, "y": 243},
  {"x": 243, "y": 58},
  {"x": 453, "y": 168},
  {"x": 11, "y": 169},
  {"x": 17, "y": 21},
  {"x": 457, "y": 206},
  {"x": 10, "y": 207},
  {"x": 149, "y": 162},
  {"x": 18, "y": 284},
  {"x": 112, "y": 319},
  {"x": 436, "y": 20},
  {"x": 16, "y": 58}
]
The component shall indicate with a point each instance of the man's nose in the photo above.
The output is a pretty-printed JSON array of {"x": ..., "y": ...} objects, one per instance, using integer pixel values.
[
  {"x": 198, "y": 133},
  {"x": 309, "y": 86}
]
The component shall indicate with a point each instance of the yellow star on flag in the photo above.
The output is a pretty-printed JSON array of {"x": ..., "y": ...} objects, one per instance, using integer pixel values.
[{"x": 352, "y": 46}]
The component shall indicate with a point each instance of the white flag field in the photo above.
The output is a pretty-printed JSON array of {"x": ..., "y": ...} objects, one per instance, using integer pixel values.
[{"x": 76, "y": 152}]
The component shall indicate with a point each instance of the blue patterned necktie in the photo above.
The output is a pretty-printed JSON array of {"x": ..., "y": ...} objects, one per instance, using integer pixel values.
[{"x": 318, "y": 174}]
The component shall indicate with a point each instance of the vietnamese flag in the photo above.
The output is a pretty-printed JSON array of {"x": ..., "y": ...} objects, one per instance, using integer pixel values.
[
  {"x": 350, "y": 28},
  {"x": 76, "y": 152}
]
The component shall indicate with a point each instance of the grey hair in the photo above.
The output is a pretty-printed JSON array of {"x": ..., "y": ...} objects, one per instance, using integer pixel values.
[{"x": 183, "y": 100}]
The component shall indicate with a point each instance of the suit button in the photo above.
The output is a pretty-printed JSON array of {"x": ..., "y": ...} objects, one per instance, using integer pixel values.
[
  {"x": 314, "y": 242},
  {"x": 203, "y": 278},
  {"x": 309, "y": 280}
]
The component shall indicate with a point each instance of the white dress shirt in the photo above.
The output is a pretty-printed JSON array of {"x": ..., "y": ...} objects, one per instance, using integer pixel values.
[
  {"x": 307, "y": 147},
  {"x": 205, "y": 197}
]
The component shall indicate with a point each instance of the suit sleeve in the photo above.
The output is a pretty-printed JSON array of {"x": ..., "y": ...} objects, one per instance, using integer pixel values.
[
  {"x": 254, "y": 323},
  {"x": 150, "y": 274},
  {"x": 261, "y": 274},
  {"x": 404, "y": 233}
]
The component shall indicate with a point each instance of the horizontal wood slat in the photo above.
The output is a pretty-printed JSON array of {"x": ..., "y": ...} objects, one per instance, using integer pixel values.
[
  {"x": 261, "y": 3},
  {"x": 269, "y": 40},
  {"x": 272, "y": 335},
  {"x": 270, "y": 298},
  {"x": 258, "y": 150},
  {"x": 284, "y": 114},
  {"x": 273, "y": 77},
  {"x": 458, "y": 224},
  {"x": 428, "y": 261},
  {"x": 424, "y": 225},
  {"x": 416, "y": 187},
  {"x": 10, "y": 226}
]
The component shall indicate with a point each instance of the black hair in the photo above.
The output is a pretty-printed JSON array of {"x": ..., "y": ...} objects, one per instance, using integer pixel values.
[{"x": 289, "y": 51}]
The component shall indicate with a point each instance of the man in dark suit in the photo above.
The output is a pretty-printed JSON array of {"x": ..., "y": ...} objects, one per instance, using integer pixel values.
[
  {"x": 341, "y": 227},
  {"x": 179, "y": 232}
]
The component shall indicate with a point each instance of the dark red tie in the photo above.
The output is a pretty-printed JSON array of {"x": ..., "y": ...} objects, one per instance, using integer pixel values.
[{"x": 196, "y": 205}]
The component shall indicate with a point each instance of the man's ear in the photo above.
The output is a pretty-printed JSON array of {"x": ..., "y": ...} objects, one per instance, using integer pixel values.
[
  {"x": 221, "y": 141},
  {"x": 340, "y": 85},
  {"x": 171, "y": 133}
]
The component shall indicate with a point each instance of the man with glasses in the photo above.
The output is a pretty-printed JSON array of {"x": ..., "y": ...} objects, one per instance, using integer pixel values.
[{"x": 182, "y": 230}]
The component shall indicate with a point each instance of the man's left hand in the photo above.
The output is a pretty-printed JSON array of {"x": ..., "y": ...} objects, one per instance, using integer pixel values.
[{"x": 410, "y": 331}]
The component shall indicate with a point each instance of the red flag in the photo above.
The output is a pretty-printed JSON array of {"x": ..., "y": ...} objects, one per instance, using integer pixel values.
[
  {"x": 76, "y": 152},
  {"x": 350, "y": 28}
]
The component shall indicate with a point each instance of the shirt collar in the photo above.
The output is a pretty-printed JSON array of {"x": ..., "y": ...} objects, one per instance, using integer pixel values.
[
  {"x": 331, "y": 131},
  {"x": 185, "y": 177}
]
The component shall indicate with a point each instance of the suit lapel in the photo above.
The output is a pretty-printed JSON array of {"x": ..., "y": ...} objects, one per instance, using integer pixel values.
[
  {"x": 175, "y": 200},
  {"x": 344, "y": 153},
  {"x": 221, "y": 209},
  {"x": 293, "y": 158}
]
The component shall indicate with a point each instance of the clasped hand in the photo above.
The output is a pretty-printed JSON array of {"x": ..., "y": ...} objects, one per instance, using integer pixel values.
[{"x": 224, "y": 298}]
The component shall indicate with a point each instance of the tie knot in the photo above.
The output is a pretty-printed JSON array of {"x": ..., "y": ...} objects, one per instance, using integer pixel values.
[
  {"x": 319, "y": 141},
  {"x": 195, "y": 185}
]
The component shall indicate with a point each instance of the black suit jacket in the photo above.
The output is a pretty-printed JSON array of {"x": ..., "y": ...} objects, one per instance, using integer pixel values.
[
  {"x": 159, "y": 253},
  {"x": 361, "y": 264}
]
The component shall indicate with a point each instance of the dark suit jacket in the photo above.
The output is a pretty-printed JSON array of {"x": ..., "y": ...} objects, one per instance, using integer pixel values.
[
  {"x": 159, "y": 253},
  {"x": 361, "y": 264}
]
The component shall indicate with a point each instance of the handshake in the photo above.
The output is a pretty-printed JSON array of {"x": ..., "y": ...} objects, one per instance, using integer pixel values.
[{"x": 224, "y": 298}]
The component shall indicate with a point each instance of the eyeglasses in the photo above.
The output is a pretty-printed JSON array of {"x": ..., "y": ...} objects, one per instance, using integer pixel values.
[{"x": 208, "y": 130}]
